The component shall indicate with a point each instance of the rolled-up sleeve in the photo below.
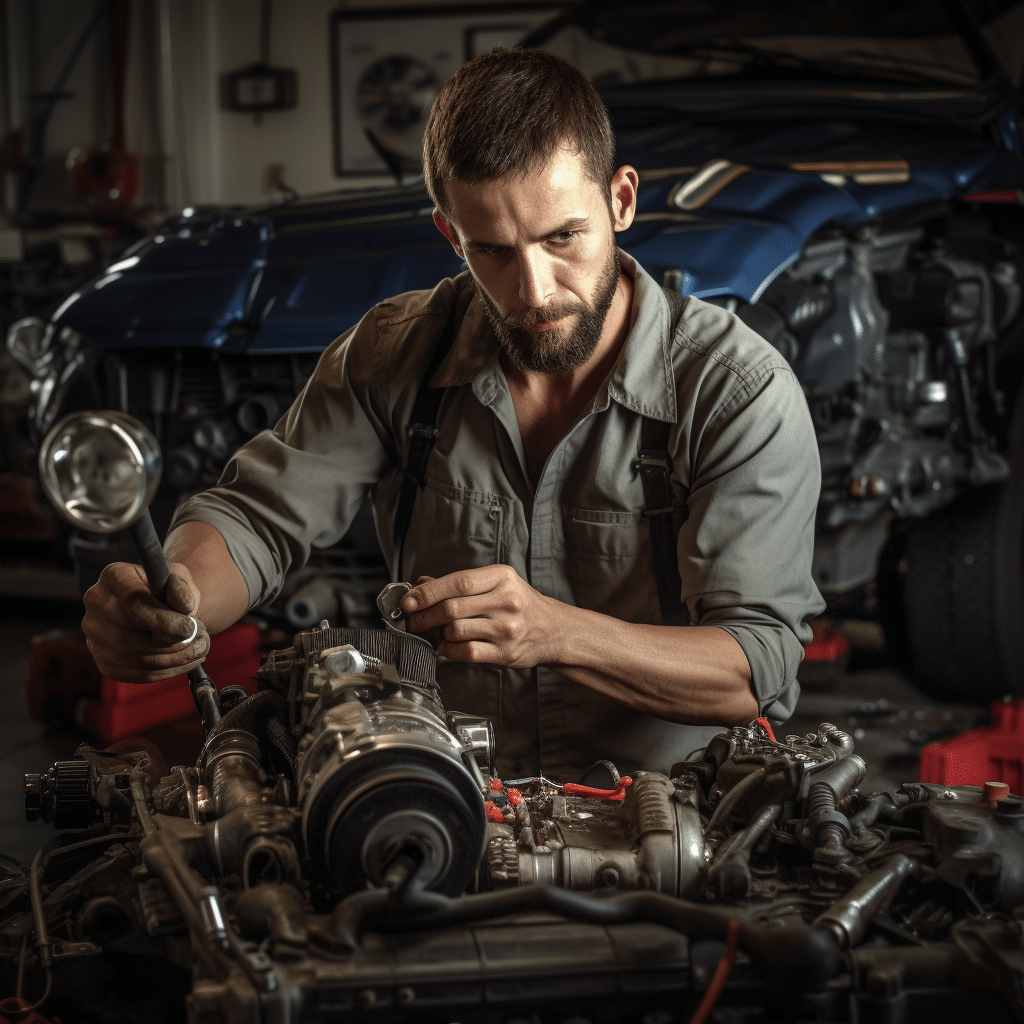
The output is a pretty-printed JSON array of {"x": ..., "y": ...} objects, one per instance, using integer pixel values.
[
  {"x": 299, "y": 485},
  {"x": 745, "y": 551}
]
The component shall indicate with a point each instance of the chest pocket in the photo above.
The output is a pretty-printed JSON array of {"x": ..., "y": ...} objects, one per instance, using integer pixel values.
[
  {"x": 609, "y": 565},
  {"x": 455, "y": 528}
]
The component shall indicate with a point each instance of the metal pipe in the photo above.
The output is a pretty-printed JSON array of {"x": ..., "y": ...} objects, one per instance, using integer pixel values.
[{"x": 848, "y": 918}]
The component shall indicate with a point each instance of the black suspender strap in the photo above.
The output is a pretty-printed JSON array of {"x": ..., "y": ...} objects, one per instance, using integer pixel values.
[
  {"x": 664, "y": 514},
  {"x": 661, "y": 511},
  {"x": 422, "y": 434}
]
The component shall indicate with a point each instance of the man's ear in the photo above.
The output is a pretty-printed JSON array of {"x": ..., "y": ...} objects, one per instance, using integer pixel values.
[
  {"x": 448, "y": 231},
  {"x": 624, "y": 184}
]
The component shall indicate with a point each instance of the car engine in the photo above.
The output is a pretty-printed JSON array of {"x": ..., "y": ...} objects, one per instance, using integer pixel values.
[
  {"x": 893, "y": 333},
  {"x": 341, "y": 850}
]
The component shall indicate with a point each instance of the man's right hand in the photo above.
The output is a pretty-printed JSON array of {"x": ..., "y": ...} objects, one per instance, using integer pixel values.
[{"x": 132, "y": 636}]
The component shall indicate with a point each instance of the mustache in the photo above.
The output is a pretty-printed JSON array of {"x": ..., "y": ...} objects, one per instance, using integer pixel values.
[{"x": 540, "y": 316}]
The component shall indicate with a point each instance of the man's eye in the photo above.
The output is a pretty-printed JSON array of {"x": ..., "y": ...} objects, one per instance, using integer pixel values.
[{"x": 564, "y": 237}]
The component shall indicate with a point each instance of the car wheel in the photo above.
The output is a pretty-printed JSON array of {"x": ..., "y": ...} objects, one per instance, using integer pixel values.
[{"x": 962, "y": 575}]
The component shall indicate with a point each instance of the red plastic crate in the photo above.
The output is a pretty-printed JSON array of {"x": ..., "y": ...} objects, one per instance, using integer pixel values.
[
  {"x": 64, "y": 683},
  {"x": 992, "y": 753},
  {"x": 828, "y": 644}
]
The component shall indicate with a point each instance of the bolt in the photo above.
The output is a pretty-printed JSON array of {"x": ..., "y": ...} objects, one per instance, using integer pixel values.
[
  {"x": 405, "y": 995},
  {"x": 365, "y": 998},
  {"x": 609, "y": 877}
]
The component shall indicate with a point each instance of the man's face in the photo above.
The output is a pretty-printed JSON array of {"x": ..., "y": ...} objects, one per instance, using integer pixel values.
[{"x": 542, "y": 253}]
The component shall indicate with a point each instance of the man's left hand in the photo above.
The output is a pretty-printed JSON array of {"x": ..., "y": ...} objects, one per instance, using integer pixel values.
[{"x": 487, "y": 615}]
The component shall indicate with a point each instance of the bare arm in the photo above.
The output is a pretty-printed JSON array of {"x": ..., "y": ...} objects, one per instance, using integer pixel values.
[
  {"x": 696, "y": 674},
  {"x": 223, "y": 595},
  {"x": 135, "y": 638}
]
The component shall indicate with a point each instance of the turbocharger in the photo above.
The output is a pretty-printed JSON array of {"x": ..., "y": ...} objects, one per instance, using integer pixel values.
[{"x": 388, "y": 790}]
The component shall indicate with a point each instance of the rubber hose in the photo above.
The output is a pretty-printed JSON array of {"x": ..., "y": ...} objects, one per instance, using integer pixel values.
[
  {"x": 800, "y": 955},
  {"x": 720, "y": 816},
  {"x": 281, "y": 739},
  {"x": 730, "y": 871}
]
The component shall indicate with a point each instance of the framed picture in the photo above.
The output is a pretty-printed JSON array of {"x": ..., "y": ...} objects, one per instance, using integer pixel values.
[{"x": 388, "y": 66}]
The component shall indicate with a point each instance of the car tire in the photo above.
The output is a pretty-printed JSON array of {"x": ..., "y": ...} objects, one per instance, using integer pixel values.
[{"x": 962, "y": 578}]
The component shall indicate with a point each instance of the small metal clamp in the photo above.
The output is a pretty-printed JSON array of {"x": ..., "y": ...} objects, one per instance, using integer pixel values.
[{"x": 388, "y": 601}]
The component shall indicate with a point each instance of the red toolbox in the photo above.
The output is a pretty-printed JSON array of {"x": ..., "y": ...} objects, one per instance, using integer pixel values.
[
  {"x": 64, "y": 684},
  {"x": 992, "y": 753}
]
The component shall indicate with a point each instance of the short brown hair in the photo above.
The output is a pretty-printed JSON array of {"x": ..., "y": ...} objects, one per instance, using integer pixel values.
[{"x": 504, "y": 113}]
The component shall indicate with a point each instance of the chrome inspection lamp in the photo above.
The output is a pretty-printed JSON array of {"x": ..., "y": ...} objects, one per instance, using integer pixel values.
[{"x": 100, "y": 471}]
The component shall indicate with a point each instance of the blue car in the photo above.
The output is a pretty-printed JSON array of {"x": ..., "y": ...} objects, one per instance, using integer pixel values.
[{"x": 816, "y": 169}]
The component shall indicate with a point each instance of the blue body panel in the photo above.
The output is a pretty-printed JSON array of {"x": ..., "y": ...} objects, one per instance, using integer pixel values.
[{"x": 290, "y": 278}]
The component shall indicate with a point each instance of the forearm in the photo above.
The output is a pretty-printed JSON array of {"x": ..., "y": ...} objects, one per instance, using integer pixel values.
[
  {"x": 693, "y": 674},
  {"x": 223, "y": 594}
]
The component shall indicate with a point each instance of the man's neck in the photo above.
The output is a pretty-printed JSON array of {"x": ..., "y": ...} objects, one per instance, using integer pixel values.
[{"x": 549, "y": 404}]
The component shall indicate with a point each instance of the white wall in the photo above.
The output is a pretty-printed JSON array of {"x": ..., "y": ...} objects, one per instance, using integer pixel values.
[{"x": 296, "y": 142}]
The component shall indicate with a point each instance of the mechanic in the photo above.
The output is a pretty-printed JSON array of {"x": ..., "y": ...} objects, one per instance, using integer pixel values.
[{"x": 529, "y": 536}]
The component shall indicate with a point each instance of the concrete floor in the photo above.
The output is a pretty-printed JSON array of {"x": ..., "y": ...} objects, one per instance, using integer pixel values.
[{"x": 889, "y": 718}]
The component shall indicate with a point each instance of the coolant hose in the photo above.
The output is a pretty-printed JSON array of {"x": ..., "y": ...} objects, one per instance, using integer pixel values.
[
  {"x": 275, "y": 910},
  {"x": 801, "y": 956},
  {"x": 730, "y": 871},
  {"x": 825, "y": 823},
  {"x": 881, "y": 805},
  {"x": 720, "y": 816},
  {"x": 253, "y": 713}
]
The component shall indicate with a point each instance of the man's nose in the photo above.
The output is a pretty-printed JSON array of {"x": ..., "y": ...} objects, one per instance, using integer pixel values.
[{"x": 536, "y": 282}]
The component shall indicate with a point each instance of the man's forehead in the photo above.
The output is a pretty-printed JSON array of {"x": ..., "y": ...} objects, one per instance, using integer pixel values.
[{"x": 548, "y": 197}]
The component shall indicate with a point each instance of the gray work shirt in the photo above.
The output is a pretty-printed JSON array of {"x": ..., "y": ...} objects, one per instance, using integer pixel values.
[{"x": 744, "y": 458}]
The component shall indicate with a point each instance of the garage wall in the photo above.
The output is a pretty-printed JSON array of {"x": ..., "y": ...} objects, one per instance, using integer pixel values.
[
  {"x": 191, "y": 150},
  {"x": 249, "y": 157},
  {"x": 293, "y": 146}
]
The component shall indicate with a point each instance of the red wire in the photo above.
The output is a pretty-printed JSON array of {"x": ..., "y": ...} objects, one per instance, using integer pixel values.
[
  {"x": 618, "y": 793},
  {"x": 714, "y": 991}
]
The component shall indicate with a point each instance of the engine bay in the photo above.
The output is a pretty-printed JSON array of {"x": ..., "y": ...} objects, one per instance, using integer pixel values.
[{"x": 341, "y": 850}]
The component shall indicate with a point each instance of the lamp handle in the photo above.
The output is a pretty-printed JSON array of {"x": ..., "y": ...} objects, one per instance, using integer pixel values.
[{"x": 151, "y": 554}]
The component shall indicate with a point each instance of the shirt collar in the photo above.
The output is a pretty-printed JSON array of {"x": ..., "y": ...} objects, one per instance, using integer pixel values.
[{"x": 641, "y": 380}]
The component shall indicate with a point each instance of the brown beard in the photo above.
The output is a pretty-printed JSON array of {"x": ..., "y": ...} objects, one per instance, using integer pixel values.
[{"x": 554, "y": 351}]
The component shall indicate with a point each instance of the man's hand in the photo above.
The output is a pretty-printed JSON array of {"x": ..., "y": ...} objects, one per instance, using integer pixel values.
[
  {"x": 487, "y": 615},
  {"x": 132, "y": 636}
]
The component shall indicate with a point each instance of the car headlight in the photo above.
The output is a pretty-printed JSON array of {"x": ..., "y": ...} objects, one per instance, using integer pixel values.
[{"x": 99, "y": 469}]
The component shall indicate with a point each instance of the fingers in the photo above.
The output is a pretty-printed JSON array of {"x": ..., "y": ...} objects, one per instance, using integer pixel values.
[
  {"x": 449, "y": 610},
  {"x": 122, "y": 596},
  {"x": 131, "y": 661},
  {"x": 135, "y": 638},
  {"x": 474, "y": 652},
  {"x": 179, "y": 594},
  {"x": 467, "y": 583},
  {"x": 488, "y": 615}
]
